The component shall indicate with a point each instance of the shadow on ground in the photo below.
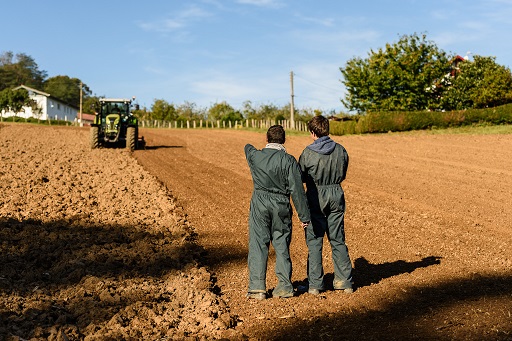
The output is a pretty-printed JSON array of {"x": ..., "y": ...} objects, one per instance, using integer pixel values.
[
  {"x": 366, "y": 273},
  {"x": 61, "y": 254},
  {"x": 421, "y": 313},
  {"x": 65, "y": 275},
  {"x": 161, "y": 147}
]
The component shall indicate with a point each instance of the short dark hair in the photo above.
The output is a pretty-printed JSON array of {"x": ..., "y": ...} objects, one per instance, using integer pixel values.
[
  {"x": 276, "y": 134},
  {"x": 319, "y": 125}
]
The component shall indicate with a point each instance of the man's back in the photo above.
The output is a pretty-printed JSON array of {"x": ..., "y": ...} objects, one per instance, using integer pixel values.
[
  {"x": 324, "y": 169},
  {"x": 275, "y": 171},
  {"x": 269, "y": 169}
]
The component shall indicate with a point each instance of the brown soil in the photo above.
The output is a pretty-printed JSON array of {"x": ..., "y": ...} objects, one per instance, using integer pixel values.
[{"x": 94, "y": 247}]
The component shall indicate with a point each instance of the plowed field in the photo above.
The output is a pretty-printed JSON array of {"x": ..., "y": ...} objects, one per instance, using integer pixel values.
[{"x": 105, "y": 244}]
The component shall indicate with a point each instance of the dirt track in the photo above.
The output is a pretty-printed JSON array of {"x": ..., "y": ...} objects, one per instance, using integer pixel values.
[
  {"x": 429, "y": 231},
  {"x": 93, "y": 247}
]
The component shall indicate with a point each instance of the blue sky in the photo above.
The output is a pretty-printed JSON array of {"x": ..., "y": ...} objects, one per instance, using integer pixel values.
[{"x": 208, "y": 51}]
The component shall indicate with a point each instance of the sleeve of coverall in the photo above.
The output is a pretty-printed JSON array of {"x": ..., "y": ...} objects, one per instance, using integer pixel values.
[
  {"x": 297, "y": 191},
  {"x": 249, "y": 149},
  {"x": 345, "y": 163},
  {"x": 302, "y": 167}
]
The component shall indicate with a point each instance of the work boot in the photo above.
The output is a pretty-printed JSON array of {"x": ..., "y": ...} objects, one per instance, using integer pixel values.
[
  {"x": 302, "y": 288},
  {"x": 259, "y": 296},
  {"x": 282, "y": 294},
  {"x": 343, "y": 285},
  {"x": 314, "y": 291},
  {"x": 305, "y": 288}
]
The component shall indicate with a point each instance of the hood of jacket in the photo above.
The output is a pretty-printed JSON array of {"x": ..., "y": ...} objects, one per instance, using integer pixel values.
[{"x": 323, "y": 145}]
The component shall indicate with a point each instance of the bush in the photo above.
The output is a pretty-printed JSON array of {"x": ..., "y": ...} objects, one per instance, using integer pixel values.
[{"x": 382, "y": 122}]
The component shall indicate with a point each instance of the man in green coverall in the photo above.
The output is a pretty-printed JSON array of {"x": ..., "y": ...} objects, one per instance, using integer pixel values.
[
  {"x": 324, "y": 165},
  {"x": 276, "y": 176}
]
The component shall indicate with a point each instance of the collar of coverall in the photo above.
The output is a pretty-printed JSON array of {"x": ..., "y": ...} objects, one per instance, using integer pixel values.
[{"x": 277, "y": 146}]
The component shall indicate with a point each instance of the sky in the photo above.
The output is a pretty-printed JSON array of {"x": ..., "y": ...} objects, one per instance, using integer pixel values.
[{"x": 209, "y": 51}]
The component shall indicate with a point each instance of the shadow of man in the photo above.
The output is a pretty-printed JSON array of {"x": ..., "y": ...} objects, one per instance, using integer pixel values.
[{"x": 366, "y": 273}]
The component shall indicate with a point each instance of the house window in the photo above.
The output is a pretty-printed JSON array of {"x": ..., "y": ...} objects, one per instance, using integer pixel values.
[{"x": 58, "y": 106}]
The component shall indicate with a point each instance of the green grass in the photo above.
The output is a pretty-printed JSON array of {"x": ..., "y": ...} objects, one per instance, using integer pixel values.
[{"x": 468, "y": 130}]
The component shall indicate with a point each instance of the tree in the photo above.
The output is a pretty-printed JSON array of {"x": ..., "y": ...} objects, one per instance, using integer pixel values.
[
  {"x": 13, "y": 100},
  {"x": 479, "y": 83},
  {"x": 20, "y": 70},
  {"x": 37, "y": 111},
  {"x": 161, "y": 110},
  {"x": 67, "y": 89},
  {"x": 189, "y": 111},
  {"x": 4, "y": 102},
  {"x": 394, "y": 78},
  {"x": 90, "y": 104},
  {"x": 249, "y": 112},
  {"x": 224, "y": 112},
  {"x": 267, "y": 111}
]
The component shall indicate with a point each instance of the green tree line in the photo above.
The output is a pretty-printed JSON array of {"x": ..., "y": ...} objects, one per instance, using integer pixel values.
[
  {"x": 412, "y": 74},
  {"x": 162, "y": 110}
]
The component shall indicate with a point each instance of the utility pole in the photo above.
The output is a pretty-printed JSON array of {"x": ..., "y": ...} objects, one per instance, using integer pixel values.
[
  {"x": 81, "y": 122},
  {"x": 292, "y": 108}
]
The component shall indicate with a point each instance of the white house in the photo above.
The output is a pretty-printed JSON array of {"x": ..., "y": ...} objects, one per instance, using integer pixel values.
[{"x": 47, "y": 107}]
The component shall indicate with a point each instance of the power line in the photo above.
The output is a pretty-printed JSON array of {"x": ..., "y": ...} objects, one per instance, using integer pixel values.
[{"x": 321, "y": 85}]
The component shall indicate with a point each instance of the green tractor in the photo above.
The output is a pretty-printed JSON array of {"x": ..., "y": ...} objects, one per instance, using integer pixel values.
[{"x": 115, "y": 125}]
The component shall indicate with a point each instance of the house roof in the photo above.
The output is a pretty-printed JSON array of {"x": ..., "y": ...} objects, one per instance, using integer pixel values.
[
  {"x": 86, "y": 117},
  {"x": 39, "y": 92},
  {"x": 32, "y": 90}
]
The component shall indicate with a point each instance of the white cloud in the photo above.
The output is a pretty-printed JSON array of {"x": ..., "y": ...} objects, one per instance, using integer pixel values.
[
  {"x": 227, "y": 88},
  {"x": 177, "y": 21},
  {"x": 262, "y": 3},
  {"x": 328, "y": 22}
]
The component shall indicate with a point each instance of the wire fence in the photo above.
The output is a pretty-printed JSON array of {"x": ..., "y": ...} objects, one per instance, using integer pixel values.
[
  {"x": 178, "y": 124},
  {"x": 205, "y": 124}
]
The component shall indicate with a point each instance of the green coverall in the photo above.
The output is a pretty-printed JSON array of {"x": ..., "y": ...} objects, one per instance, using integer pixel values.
[
  {"x": 276, "y": 176},
  {"x": 323, "y": 174}
]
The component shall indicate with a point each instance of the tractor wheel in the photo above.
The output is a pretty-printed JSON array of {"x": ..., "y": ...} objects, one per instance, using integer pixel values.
[
  {"x": 131, "y": 138},
  {"x": 94, "y": 138}
]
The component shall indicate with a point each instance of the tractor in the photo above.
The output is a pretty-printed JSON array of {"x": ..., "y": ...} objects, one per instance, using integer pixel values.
[{"x": 114, "y": 124}]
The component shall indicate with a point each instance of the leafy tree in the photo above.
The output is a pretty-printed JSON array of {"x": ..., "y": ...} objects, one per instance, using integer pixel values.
[
  {"x": 267, "y": 111},
  {"x": 479, "y": 83},
  {"x": 14, "y": 100},
  {"x": 20, "y": 69},
  {"x": 37, "y": 111},
  {"x": 142, "y": 114},
  {"x": 249, "y": 112},
  {"x": 283, "y": 113},
  {"x": 306, "y": 114},
  {"x": 4, "y": 102},
  {"x": 395, "y": 77},
  {"x": 67, "y": 89},
  {"x": 90, "y": 104},
  {"x": 161, "y": 110},
  {"x": 189, "y": 111},
  {"x": 224, "y": 112}
]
